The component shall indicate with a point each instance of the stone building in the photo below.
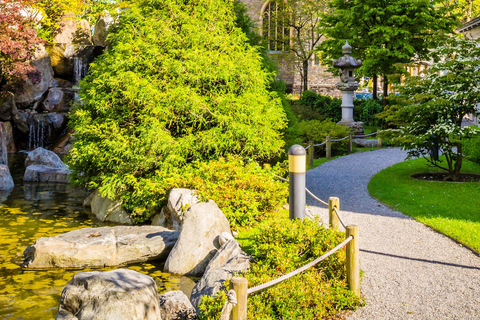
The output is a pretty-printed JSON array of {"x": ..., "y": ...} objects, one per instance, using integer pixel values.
[
  {"x": 318, "y": 78},
  {"x": 471, "y": 29}
]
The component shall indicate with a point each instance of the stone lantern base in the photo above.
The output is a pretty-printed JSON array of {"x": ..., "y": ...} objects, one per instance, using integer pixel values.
[{"x": 355, "y": 126}]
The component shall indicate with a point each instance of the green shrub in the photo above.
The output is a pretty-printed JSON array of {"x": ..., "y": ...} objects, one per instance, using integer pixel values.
[
  {"x": 170, "y": 90},
  {"x": 471, "y": 147},
  {"x": 317, "y": 131},
  {"x": 244, "y": 192},
  {"x": 313, "y": 106},
  {"x": 283, "y": 246},
  {"x": 365, "y": 110}
]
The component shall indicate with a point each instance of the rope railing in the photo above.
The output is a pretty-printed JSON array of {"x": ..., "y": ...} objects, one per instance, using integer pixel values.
[
  {"x": 365, "y": 135},
  {"x": 316, "y": 198},
  {"x": 308, "y": 191},
  {"x": 229, "y": 304},
  {"x": 339, "y": 218},
  {"x": 300, "y": 270},
  {"x": 337, "y": 140},
  {"x": 319, "y": 145}
]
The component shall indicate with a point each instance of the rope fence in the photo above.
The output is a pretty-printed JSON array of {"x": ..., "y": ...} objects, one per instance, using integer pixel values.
[
  {"x": 236, "y": 306},
  {"x": 328, "y": 142}
]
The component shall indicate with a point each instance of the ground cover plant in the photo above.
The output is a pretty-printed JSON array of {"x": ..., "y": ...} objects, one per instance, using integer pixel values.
[
  {"x": 170, "y": 90},
  {"x": 280, "y": 246},
  {"x": 449, "y": 207}
]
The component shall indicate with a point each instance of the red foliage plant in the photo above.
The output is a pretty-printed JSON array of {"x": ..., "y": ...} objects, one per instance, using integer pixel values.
[{"x": 18, "y": 42}]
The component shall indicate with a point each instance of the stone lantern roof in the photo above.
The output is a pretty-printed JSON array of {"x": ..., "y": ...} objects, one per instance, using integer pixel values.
[{"x": 347, "y": 61}]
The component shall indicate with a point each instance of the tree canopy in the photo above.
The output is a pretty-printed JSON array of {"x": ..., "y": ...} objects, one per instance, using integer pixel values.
[
  {"x": 178, "y": 83},
  {"x": 431, "y": 107},
  {"x": 385, "y": 33}
]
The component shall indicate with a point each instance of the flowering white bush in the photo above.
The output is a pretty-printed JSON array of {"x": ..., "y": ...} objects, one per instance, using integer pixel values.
[{"x": 431, "y": 107}]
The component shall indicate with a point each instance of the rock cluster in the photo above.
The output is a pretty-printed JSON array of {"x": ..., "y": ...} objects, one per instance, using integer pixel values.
[
  {"x": 45, "y": 166},
  {"x": 37, "y": 112}
]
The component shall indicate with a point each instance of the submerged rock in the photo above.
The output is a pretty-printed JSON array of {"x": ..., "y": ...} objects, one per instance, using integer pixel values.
[
  {"x": 109, "y": 210},
  {"x": 45, "y": 166},
  {"x": 174, "y": 305},
  {"x": 198, "y": 241},
  {"x": 100, "y": 247},
  {"x": 229, "y": 260},
  {"x": 118, "y": 294}
]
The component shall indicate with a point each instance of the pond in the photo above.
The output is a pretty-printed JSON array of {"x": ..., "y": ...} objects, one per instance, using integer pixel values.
[{"x": 34, "y": 210}]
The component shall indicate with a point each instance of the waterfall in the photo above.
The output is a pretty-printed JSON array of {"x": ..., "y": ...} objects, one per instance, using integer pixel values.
[
  {"x": 39, "y": 134},
  {"x": 80, "y": 69}
]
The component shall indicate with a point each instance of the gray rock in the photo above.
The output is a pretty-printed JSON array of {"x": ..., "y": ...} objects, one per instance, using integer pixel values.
[
  {"x": 7, "y": 106},
  {"x": 57, "y": 120},
  {"x": 41, "y": 156},
  {"x": 6, "y": 181},
  {"x": 100, "y": 247},
  {"x": 21, "y": 120},
  {"x": 366, "y": 142},
  {"x": 45, "y": 166},
  {"x": 174, "y": 305},
  {"x": 224, "y": 238},
  {"x": 229, "y": 260},
  {"x": 33, "y": 91},
  {"x": 58, "y": 100},
  {"x": 8, "y": 132},
  {"x": 202, "y": 224},
  {"x": 88, "y": 200},
  {"x": 160, "y": 219},
  {"x": 101, "y": 29},
  {"x": 39, "y": 173},
  {"x": 179, "y": 201},
  {"x": 109, "y": 210},
  {"x": 118, "y": 294}
]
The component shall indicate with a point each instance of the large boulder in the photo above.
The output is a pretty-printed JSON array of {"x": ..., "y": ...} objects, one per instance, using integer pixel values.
[
  {"x": 174, "y": 305},
  {"x": 34, "y": 90},
  {"x": 100, "y": 247},
  {"x": 179, "y": 201},
  {"x": 109, "y": 210},
  {"x": 45, "y": 166},
  {"x": 58, "y": 100},
  {"x": 21, "y": 119},
  {"x": 101, "y": 29},
  {"x": 8, "y": 132},
  {"x": 198, "y": 241},
  {"x": 229, "y": 260},
  {"x": 118, "y": 294},
  {"x": 7, "y": 106}
]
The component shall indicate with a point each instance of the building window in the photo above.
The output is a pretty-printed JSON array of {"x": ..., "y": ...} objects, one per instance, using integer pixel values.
[{"x": 275, "y": 26}]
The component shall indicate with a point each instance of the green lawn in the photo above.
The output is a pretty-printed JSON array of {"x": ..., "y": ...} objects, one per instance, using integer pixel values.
[{"x": 448, "y": 207}]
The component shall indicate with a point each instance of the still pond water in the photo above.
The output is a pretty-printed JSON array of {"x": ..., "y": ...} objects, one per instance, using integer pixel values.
[{"x": 31, "y": 211}]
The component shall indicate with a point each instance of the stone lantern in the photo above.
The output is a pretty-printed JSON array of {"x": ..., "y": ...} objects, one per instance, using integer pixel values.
[{"x": 347, "y": 65}]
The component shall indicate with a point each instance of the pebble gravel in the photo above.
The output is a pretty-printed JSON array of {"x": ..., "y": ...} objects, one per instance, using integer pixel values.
[{"x": 409, "y": 270}]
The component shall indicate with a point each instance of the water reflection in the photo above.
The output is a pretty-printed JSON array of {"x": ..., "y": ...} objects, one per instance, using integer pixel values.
[{"x": 31, "y": 211}]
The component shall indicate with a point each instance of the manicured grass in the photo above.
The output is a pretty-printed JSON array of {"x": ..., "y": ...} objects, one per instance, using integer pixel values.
[{"x": 450, "y": 208}]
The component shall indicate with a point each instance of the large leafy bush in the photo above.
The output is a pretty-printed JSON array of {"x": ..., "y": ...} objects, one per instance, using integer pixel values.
[
  {"x": 178, "y": 83},
  {"x": 471, "y": 147},
  {"x": 283, "y": 246}
]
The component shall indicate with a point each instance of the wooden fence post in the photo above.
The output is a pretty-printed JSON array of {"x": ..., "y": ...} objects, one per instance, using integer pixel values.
[
  {"x": 379, "y": 139},
  {"x": 329, "y": 148},
  {"x": 240, "y": 286},
  {"x": 310, "y": 153},
  {"x": 350, "y": 143},
  {"x": 353, "y": 261},
  {"x": 332, "y": 215}
]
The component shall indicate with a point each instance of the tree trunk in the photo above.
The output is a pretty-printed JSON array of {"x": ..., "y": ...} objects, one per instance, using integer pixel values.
[
  {"x": 458, "y": 163},
  {"x": 305, "y": 75},
  {"x": 385, "y": 90},
  {"x": 375, "y": 87}
]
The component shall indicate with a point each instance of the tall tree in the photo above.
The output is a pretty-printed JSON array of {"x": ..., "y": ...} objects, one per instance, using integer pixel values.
[
  {"x": 431, "y": 108},
  {"x": 292, "y": 26},
  {"x": 18, "y": 41},
  {"x": 385, "y": 33}
]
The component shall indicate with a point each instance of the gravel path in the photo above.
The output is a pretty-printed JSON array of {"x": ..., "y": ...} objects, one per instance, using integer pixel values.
[{"x": 410, "y": 271}]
